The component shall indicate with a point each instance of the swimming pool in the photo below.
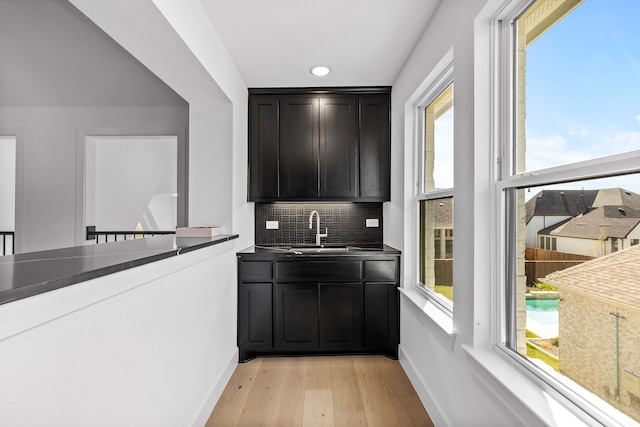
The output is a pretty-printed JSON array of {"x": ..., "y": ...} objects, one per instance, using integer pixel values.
[
  {"x": 543, "y": 311},
  {"x": 542, "y": 317}
]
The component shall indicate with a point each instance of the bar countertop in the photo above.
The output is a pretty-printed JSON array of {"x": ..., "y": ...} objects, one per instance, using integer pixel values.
[
  {"x": 295, "y": 251},
  {"x": 29, "y": 274}
]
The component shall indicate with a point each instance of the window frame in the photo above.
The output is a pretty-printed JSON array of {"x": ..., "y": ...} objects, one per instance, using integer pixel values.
[
  {"x": 439, "y": 85},
  {"x": 507, "y": 182}
]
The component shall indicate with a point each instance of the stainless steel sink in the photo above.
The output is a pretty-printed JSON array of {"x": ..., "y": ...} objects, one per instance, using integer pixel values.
[
  {"x": 300, "y": 250},
  {"x": 316, "y": 249}
]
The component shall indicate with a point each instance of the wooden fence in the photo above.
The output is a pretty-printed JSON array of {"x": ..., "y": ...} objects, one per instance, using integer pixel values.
[
  {"x": 541, "y": 262},
  {"x": 444, "y": 271},
  {"x": 538, "y": 264}
]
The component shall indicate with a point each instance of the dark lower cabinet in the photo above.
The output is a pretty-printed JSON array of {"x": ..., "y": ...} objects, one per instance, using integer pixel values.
[
  {"x": 296, "y": 316},
  {"x": 325, "y": 316},
  {"x": 255, "y": 319},
  {"x": 382, "y": 317},
  {"x": 341, "y": 316},
  {"x": 342, "y": 305}
]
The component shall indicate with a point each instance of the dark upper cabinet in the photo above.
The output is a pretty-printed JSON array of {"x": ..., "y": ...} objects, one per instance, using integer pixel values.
[
  {"x": 298, "y": 147},
  {"x": 319, "y": 146},
  {"x": 338, "y": 146},
  {"x": 264, "y": 147},
  {"x": 375, "y": 147}
]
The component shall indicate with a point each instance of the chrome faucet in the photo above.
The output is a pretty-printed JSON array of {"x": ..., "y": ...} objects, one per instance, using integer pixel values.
[{"x": 318, "y": 235}]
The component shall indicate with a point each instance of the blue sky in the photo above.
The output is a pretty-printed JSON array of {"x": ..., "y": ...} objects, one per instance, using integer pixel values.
[
  {"x": 583, "y": 85},
  {"x": 583, "y": 93}
]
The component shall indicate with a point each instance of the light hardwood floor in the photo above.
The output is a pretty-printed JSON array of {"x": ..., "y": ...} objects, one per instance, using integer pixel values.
[{"x": 319, "y": 391}]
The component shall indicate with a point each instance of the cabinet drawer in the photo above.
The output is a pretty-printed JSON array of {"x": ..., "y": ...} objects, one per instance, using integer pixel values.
[
  {"x": 318, "y": 271},
  {"x": 256, "y": 270},
  {"x": 380, "y": 270}
]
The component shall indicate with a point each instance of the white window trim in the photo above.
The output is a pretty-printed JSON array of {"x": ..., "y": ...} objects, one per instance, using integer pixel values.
[
  {"x": 602, "y": 167},
  {"x": 442, "y": 82},
  {"x": 437, "y": 85},
  {"x": 568, "y": 404},
  {"x": 413, "y": 131}
]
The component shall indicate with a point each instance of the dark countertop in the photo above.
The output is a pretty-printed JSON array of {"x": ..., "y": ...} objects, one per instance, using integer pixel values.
[
  {"x": 29, "y": 274},
  {"x": 324, "y": 250}
]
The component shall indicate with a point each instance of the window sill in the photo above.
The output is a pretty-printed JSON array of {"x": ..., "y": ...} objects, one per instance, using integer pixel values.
[
  {"x": 546, "y": 406},
  {"x": 438, "y": 317}
]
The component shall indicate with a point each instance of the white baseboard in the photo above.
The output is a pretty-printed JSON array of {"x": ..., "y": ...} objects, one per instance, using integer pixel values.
[
  {"x": 216, "y": 391},
  {"x": 422, "y": 389}
]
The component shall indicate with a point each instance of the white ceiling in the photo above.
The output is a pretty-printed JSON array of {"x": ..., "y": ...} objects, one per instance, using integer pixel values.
[{"x": 274, "y": 43}]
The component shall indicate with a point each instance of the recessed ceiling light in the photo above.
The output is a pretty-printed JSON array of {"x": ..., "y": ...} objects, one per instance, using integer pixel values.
[{"x": 320, "y": 71}]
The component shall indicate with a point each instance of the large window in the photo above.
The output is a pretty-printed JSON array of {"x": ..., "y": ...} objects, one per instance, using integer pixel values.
[
  {"x": 435, "y": 199},
  {"x": 570, "y": 190}
]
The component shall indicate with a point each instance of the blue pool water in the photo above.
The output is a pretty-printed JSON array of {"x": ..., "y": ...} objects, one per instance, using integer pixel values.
[{"x": 544, "y": 311}]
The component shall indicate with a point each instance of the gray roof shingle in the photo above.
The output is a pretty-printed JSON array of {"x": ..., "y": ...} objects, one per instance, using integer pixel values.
[
  {"x": 560, "y": 203},
  {"x": 596, "y": 225},
  {"x": 614, "y": 277},
  {"x": 597, "y": 214}
]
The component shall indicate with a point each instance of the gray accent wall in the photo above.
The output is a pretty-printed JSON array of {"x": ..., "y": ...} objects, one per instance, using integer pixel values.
[{"x": 61, "y": 77}]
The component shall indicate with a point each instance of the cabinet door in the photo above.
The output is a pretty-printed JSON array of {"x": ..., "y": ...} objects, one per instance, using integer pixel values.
[
  {"x": 341, "y": 316},
  {"x": 299, "y": 147},
  {"x": 338, "y": 146},
  {"x": 255, "y": 317},
  {"x": 375, "y": 147},
  {"x": 264, "y": 140},
  {"x": 296, "y": 316},
  {"x": 382, "y": 318}
]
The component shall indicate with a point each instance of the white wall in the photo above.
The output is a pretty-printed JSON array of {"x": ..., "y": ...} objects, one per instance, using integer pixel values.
[
  {"x": 211, "y": 167},
  {"x": 46, "y": 217},
  {"x": 178, "y": 43},
  {"x": 588, "y": 247},
  {"x": 436, "y": 361},
  {"x": 7, "y": 182},
  {"x": 149, "y": 346},
  {"x": 454, "y": 365},
  {"x": 228, "y": 123},
  {"x": 594, "y": 248},
  {"x": 66, "y": 75},
  {"x": 154, "y": 358},
  {"x": 538, "y": 223},
  {"x": 134, "y": 182}
]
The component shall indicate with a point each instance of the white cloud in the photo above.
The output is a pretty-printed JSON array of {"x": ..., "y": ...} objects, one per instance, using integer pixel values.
[
  {"x": 551, "y": 151},
  {"x": 578, "y": 132},
  {"x": 443, "y": 168},
  {"x": 556, "y": 150},
  {"x": 638, "y": 117},
  {"x": 622, "y": 142}
]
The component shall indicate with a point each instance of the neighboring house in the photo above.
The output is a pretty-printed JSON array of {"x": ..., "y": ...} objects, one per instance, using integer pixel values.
[
  {"x": 551, "y": 207},
  {"x": 590, "y": 223},
  {"x": 598, "y": 327},
  {"x": 443, "y": 228}
]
